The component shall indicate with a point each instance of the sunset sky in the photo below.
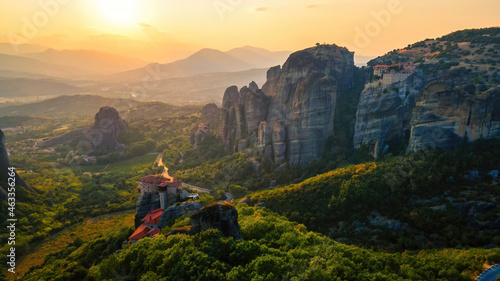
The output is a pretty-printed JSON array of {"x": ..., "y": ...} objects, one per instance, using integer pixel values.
[{"x": 165, "y": 30}]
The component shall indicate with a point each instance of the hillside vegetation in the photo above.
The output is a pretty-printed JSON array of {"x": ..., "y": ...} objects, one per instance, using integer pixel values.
[
  {"x": 404, "y": 202},
  {"x": 274, "y": 249},
  {"x": 74, "y": 235}
]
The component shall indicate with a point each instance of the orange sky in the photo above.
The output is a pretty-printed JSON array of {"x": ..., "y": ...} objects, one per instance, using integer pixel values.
[{"x": 164, "y": 30}]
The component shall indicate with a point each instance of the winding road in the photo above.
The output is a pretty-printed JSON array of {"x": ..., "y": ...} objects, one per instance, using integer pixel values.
[{"x": 229, "y": 196}]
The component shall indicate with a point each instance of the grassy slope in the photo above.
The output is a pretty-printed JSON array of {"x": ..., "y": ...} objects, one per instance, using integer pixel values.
[
  {"x": 119, "y": 166},
  {"x": 86, "y": 231}
]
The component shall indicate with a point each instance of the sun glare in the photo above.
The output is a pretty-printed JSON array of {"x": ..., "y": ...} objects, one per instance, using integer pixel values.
[{"x": 118, "y": 10}]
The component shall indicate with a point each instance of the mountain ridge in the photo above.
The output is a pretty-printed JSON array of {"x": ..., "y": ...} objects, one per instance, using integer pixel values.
[
  {"x": 206, "y": 60},
  {"x": 95, "y": 61},
  {"x": 28, "y": 65}
]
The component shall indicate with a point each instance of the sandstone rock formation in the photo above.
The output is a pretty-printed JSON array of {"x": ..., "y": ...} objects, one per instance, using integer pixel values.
[
  {"x": 221, "y": 215},
  {"x": 148, "y": 202},
  {"x": 411, "y": 107},
  {"x": 107, "y": 126},
  {"x": 210, "y": 114},
  {"x": 102, "y": 136},
  {"x": 173, "y": 212},
  {"x": 200, "y": 135},
  {"x": 293, "y": 115},
  {"x": 242, "y": 113},
  {"x": 4, "y": 170},
  {"x": 425, "y": 111},
  {"x": 384, "y": 113},
  {"x": 443, "y": 117}
]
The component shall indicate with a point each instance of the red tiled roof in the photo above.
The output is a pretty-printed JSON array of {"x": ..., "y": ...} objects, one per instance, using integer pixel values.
[
  {"x": 140, "y": 232},
  {"x": 153, "y": 232},
  {"x": 154, "y": 179},
  {"x": 153, "y": 217},
  {"x": 173, "y": 183}
]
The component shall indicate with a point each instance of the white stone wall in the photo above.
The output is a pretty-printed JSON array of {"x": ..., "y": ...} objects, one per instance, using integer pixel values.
[{"x": 390, "y": 78}]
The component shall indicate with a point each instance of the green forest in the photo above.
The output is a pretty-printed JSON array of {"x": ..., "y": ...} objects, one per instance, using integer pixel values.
[{"x": 273, "y": 248}]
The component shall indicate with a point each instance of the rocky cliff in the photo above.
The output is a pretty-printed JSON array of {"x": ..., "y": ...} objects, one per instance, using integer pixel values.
[
  {"x": 210, "y": 116},
  {"x": 176, "y": 211},
  {"x": 443, "y": 116},
  {"x": 433, "y": 94},
  {"x": 103, "y": 135},
  {"x": 420, "y": 113},
  {"x": 107, "y": 126},
  {"x": 4, "y": 170},
  {"x": 290, "y": 118},
  {"x": 148, "y": 202},
  {"x": 220, "y": 215},
  {"x": 384, "y": 114},
  {"x": 200, "y": 135}
]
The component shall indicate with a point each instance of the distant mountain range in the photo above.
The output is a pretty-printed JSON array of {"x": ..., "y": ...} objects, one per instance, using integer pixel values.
[
  {"x": 197, "y": 89},
  {"x": 17, "y": 49},
  {"x": 87, "y": 106},
  {"x": 206, "y": 61},
  {"x": 31, "y": 66},
  {"x": 23, "y": 87},
  {"x": 36, "y": 61},
  {"x": 94, "y": 62},
  {"x": 259, "y": 57},
  {"x": 77, "y": 105},
  {"x": 30, "y": 70}
]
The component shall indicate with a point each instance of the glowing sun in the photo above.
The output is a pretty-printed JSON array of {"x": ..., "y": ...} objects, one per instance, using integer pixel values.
[{"x": 118, "y": 10}]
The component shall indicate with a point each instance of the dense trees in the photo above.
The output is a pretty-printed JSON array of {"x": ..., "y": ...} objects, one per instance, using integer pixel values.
[
  {"x": 274, "y": 249},
  {"x": 65, "y": 197},
  {"x": 483, "y": 35},
  {"x": 394, "y": 186},
  {"x": 231, "y": 169}
]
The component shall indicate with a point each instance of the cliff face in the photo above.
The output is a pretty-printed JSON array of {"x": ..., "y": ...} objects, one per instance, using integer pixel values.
[
  {"x": 424, "y": 111},
  {"x": 200, "y": 135},
  {"x": 4, "y": 170},
  {"x": 148, "y": 202},
  {"x": 444, "y": 117},
  {"x": 107, "y": 126},
  {"x": 435, "y": 93},
  {"x": 384, "y": 114},
  {"x": 221, "y": 215},
  {"x": 242, "y": 112},
  {"x": 431, "y": 94},
  {"x": 292, "y": 116}
]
